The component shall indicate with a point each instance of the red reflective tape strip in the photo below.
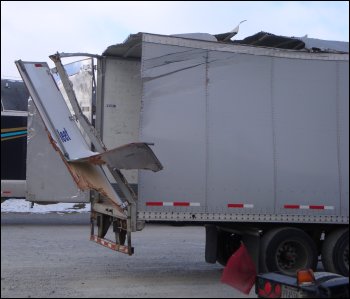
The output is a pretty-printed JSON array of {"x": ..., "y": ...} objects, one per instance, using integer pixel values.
[
  {"x": 6, "y": 192},
  {"x": 154, "y": 204},
  {"x": 309, "y": 207},
  {"x": 109, "y": 244},
  {"x": 181, "y": 204},
  {"x": 235, "y": 205},
  {"x": 38, "y": 65},
  {"x": 172, "y": 204},
  {"x": 291, "y": 206},
  {"x": 316, "y": 207}
]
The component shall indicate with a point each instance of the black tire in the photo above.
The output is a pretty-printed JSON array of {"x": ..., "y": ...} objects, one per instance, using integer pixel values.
[
  {"x": 227, "y": 244},
  {"x": 335, "y": 252},
  {"x": 211, "y": 240},
  {"x": 287, "y": 250}
]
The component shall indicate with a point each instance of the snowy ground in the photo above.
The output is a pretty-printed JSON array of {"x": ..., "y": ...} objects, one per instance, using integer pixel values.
[{"x": 23, "y": 206}]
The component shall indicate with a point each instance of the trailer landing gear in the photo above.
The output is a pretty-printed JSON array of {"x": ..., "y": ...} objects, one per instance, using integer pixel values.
[{"x": 120, "y": 229}]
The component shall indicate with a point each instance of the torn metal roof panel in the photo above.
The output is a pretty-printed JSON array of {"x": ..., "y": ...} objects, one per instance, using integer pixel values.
[
  {"x": 265, "y": 39},
  {"x": 132, "y": 46},
  {"x": 325, "y": 45}
]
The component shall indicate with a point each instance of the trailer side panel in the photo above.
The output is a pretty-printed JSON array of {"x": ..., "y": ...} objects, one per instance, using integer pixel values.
[{"x": 242, "y": 136}]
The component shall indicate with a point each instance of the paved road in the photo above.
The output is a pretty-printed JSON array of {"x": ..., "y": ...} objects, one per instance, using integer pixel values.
[{"x": 50, "y": 256}]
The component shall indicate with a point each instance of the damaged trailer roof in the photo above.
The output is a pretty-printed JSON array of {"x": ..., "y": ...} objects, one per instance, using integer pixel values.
[
  {"x": 132, "y": 46},
  {"x": 265, "y": 39}
]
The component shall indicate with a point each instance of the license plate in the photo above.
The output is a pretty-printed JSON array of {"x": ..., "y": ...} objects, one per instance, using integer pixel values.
[{"x": 288, "y": 292}]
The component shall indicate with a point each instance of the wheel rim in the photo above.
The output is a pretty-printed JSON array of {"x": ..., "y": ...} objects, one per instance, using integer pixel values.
[{"x": 291, "y": 256}]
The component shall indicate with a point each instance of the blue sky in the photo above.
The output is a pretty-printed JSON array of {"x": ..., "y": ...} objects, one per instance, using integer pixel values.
[{"x": 32, "y": 30}]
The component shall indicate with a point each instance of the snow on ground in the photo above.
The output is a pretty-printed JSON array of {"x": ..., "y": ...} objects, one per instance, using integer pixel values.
[{"x": 23, "y": 206}]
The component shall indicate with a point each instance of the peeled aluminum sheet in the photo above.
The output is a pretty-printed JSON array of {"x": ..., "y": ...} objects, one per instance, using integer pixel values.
[
  {"x": 129, "y": 156},
  {"x": 63, "y": 132}
]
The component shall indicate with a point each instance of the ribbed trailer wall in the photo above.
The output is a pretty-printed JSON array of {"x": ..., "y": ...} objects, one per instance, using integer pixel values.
[{"x": 244, "y": 134}]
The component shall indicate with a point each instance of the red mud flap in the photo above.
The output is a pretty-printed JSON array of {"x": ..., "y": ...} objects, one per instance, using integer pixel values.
[
  {"x": 116, "y": 247},
  {"x": 240, "y": 271}
]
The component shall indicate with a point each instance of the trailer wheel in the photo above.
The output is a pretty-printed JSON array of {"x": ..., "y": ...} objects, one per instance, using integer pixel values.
[
  {"x": 287, "y": 250},
  {"x": 211, "y": 246},
  {"x": 227, "y": 244},
  {"x": 335, "y": 252}
]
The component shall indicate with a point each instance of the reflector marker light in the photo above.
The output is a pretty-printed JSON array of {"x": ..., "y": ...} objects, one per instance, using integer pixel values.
[
  {"x": 305, "y": 277},
  {"x": 278, "y": 291},
  {"x": 268, "y": 289}
]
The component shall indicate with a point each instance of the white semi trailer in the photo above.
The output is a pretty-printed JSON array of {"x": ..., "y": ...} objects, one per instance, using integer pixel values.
[{"x": 252, "y": 136}]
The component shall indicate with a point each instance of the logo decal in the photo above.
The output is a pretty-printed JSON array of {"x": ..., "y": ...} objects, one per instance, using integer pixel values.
[{"x": 64, "y": 135}]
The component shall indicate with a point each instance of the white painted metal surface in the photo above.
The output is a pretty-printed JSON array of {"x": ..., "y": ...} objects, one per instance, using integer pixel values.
[
  {"x": 52, "y": 106},
  {"x": 46, "y": 171},
  {"x": 63, "y": 131},
  {"x": 129, "y": 156},
  {"x": 121, "y": 106},
  {"x": 263, "y": 128},
  {"x": 224, "y": 47}
]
